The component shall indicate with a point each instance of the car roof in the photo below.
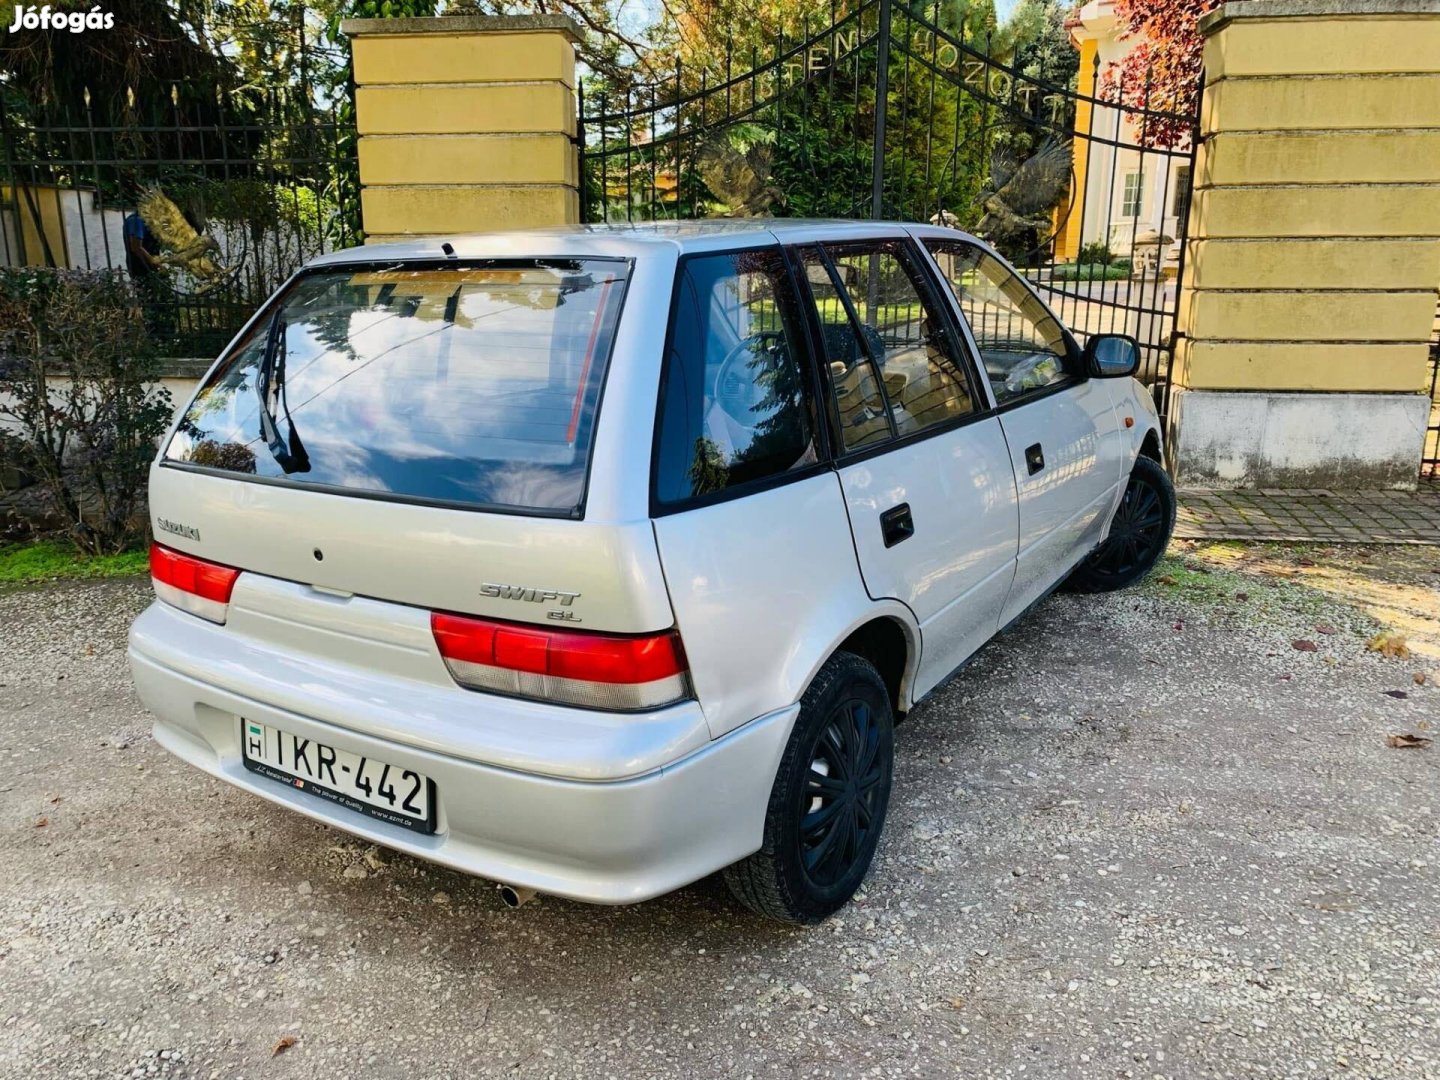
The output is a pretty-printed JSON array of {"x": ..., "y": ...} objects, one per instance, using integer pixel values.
[{"x": 628, "y": 239}]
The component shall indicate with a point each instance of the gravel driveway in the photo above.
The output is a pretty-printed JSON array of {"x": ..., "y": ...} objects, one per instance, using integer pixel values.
[{"x": 1141, "y": 835}]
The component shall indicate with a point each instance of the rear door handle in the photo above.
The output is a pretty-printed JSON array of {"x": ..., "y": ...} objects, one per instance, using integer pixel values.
[
  {"x": 896, "y": 525},
  {"x": 1034, "y": 458}
]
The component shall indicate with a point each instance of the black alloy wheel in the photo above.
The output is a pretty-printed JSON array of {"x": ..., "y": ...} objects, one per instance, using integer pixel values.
[
  {"x": 1139, "y": 532},
  {"x": 842, "y": 797},
  {"x": 827, "y": 806}
]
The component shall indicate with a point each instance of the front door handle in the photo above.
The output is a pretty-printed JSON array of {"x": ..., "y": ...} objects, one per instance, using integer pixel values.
[
  {"x": 896, "y": 525},
  {"x": 1034, "y": 458}
]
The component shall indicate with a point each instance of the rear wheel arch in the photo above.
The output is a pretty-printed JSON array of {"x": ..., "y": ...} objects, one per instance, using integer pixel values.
[{"x": 889, "y": 646}]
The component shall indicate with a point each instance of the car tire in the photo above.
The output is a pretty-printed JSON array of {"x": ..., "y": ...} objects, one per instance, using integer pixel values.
[
  {"x": 827, "y": 805},
  {"x": 1139, "y": 533}
]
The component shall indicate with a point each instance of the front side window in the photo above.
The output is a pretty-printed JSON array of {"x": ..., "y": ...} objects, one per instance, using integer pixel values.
[
  {"x": 1022, "y": 346},
  {"x": 734, "y": 407},
  {"x": 470, "y": 384}
]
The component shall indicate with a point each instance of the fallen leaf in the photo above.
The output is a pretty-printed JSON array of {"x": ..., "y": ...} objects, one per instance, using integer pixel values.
[
  {"x": 1166, "y": 579},
  {"x": 1180, "y": 626},
  {"x": 1389, "y": 644},
  {"x": 1408, "y": 742},
  {"x": 1395, "y": 694},
  {"x": 1305, "y": 562},
  {"x": 282, "y": 1044},
  {"x": 1242, "y": 596},
  {"x": 42, "y": 822},
  {"x": 1324, "y": 628},
  {"x": 957, "y": 1003},
  {"x": 1302, "y": 645}
]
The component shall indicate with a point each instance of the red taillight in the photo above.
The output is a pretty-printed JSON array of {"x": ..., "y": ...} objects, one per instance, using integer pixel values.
[
  {"x": 598, "y": 671},
  {"x": 194, "y": 585}
]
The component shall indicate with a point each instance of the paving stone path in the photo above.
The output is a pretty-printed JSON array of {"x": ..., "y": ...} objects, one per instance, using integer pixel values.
[{"x": 1361, "y": 517}]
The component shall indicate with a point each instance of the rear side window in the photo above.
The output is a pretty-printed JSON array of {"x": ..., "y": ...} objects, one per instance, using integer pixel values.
[
  {"x": 897, "y": 357},
  {"x": 734, "y": 407},
  {"x": 472, "y": 384},
  {"x": 859, "y": 402}
]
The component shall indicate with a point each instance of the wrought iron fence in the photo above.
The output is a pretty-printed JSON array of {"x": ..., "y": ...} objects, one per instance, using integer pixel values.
[
  {"x": 207, "y": 205},
  {"x": 891, "y": 111}
]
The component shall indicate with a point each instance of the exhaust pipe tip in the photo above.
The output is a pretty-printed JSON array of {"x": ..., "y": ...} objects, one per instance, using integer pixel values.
[{"x": 514, "y": 896}]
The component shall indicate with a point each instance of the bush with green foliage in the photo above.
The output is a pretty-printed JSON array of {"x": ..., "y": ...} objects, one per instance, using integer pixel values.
[
  {"x": 1097, "y": 252},
  {"x": 81, "y": 408},
  {"x": 1117, "y": 270}
]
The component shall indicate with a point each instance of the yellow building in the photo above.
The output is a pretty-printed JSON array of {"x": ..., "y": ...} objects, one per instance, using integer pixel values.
[{"x": 1122, "y": 191}]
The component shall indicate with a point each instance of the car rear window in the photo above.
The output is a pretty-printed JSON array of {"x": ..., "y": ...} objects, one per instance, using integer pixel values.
[{"x": 471, "y": 384}]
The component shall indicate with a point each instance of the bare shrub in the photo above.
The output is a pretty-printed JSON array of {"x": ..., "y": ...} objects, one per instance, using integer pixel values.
[{"x": 81, "y": 408}]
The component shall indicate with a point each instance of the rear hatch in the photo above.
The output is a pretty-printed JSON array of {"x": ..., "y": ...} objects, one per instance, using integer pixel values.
[{"x": 416, "y": 433}]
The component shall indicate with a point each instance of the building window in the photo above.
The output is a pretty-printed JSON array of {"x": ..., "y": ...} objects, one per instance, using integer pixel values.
[
  {"x": 1180, "y": 201},
  {"x": 1130, "y": 197}
]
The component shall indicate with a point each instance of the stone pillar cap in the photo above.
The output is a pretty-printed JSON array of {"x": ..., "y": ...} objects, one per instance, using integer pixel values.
[
  {"x": 468, "y": 24},
  {"x": 1315, "y": 9}
]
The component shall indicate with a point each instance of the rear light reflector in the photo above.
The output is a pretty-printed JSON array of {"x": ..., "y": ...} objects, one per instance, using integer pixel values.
[
  {"x": 194, "y": 585},
  {"x": 620, "y": 672}
]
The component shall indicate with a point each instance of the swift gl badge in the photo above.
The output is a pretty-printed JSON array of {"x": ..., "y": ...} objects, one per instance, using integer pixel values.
[{"x": 535, "y": 596}]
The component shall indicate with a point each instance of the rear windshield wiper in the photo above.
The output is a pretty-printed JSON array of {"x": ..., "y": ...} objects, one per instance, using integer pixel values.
[{"x": 270, "y": 389}]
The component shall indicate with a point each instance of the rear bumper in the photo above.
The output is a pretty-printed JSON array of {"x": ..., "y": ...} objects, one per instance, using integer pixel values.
[{"x": 603, "y": 841}]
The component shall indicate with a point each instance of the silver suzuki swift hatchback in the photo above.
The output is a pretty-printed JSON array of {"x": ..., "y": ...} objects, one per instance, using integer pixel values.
[{"x": 594, "y": 561}]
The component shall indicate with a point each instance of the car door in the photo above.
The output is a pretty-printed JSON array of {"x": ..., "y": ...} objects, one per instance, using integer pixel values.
[
  {"x": 1060, "y": 426},
  {"x": 751, "y": 528},
  {"x": 922, "y": 460}
]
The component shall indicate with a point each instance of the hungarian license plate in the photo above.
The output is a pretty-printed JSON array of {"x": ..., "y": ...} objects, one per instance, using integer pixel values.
[{"x": 366, "y": 785}]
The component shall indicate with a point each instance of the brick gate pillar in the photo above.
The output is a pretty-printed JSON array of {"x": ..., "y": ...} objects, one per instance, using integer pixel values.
[
  {"x": 466, "y": 123},
  {"x": 1314, "y": 251}
]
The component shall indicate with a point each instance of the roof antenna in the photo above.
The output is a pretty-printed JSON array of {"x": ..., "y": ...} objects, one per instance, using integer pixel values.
[{"x": 447, "y": 249}]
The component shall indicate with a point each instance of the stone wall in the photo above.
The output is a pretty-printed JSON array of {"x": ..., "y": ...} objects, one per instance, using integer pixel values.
[
  {"x": 1314, "y": 251},
  {"x": 466, "y": 123}
]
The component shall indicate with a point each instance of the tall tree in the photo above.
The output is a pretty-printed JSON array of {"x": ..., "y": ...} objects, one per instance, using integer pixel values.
[
  {"x": 152, "y": 47},
  {"x": 619, "y": 44},
  {"x": 1162, "y": 72}
]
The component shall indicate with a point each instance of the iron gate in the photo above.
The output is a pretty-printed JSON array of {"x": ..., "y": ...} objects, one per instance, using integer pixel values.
[{"x": 891, "y": 112}]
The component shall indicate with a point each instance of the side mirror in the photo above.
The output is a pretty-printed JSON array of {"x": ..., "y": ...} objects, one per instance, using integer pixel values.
[{"x": 1112, "y": 356}]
